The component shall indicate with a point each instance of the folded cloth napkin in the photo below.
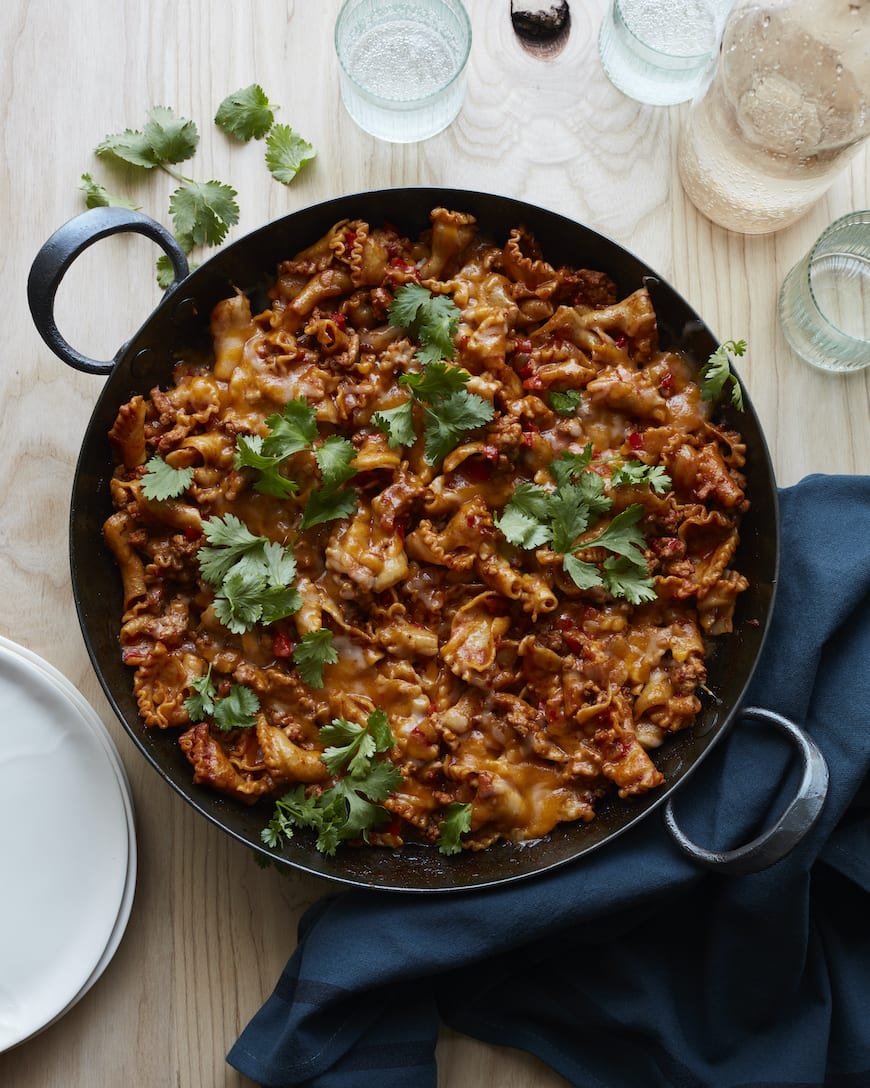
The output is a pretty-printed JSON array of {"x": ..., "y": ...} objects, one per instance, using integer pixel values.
[{"x": 633, "y": 966}]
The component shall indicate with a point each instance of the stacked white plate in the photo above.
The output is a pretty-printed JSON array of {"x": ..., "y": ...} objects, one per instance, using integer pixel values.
[{"x": 67, "y": 845}]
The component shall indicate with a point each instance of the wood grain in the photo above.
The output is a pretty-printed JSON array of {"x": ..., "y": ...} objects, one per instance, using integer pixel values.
[{"x": 210, "y": 931}]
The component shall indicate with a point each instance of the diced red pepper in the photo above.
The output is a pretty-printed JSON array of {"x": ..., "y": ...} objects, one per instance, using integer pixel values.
[
  {"x": 282, "y": 645},
  {"x": 621, "y": 340},
  {"x": 635, "y": 441}
]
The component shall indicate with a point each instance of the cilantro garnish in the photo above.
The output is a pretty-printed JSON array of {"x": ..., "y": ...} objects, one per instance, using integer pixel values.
[
  {"x": 448, "y": 410},
  {"x": 293, "y": 431},
  {"x": 716, "y": 372},
  {"x": 161, "y": 481},
  {"x": 457, "y": 820},
  {"x": 246, "y": 114},
  {"x": 250, "y": 575},
  {"x": 636, "y": 473},
  {"x": 201, "y": 212},
  {"x": 350, "y": 808},
  {"x": 536, "y": 516},
  {"x": 286, "y": 153},
  {"x": 565, "y": 404},
  {"x": 237, "y": 710},
  {"x": 314, "y": 650},
  {"x": 98, "y": 196},
  {"x": 430, "y": 319}
]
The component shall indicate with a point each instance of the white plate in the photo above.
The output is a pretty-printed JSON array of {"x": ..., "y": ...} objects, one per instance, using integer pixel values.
[
  {"x": 95, "y": 723},
  {"x": 65, "y": 835}
]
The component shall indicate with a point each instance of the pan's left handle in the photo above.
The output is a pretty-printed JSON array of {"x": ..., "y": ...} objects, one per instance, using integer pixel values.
[
  {"x": 793, "y": 825},
  {"x": 58, "y": 253}
]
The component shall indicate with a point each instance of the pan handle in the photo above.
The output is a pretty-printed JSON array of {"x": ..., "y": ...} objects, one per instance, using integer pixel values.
[
  {"x": 58, "y": 253},
  {"x": 801, "y": 814}
]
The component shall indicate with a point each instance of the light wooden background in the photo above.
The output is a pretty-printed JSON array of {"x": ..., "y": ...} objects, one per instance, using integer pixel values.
[{"x": 210, "y": 931}]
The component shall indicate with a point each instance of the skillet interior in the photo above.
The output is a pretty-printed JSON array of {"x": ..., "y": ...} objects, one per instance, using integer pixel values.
[{"x": 181, "y": 320}]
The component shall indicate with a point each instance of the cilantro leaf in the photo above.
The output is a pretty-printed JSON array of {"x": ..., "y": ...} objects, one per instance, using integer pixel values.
[
  {"x": 292, "y": 431},
  {"x": 716, "y": 372},
  {"x": 237, "y": 710},
  {"x": 570, "y": 466},
  {"x": 397, "y": 424},
  {"x": 623, "y": 578},
  {"x": 431, "y": 319},
  {"x": 334, "y": 461},
  {"x": 98, "y": 196},
  {"x": 635, "y": 473},
  {"x": 171, "y": 138},
  {"x": 246, "y": 114},
  {"x": 584, "y": 575},
  {"x": 524, "y": 521},
  {"x": 129, "y": 147},
  {"x": 270, "y": 481},
  {"x": 566, "y": 403},
  {"x": 286, "y": 153},
  {"x": 436, "y": 381},
  {"x": 200, "y": 702},
  {"x": 569, "y": 515},
  {"x": 457, "y": 819},
  {"x": 161, "y": 481},
  {"x": 229, "y": 539},
  {"x": 350, "y": 808},
  {"x": 203, "y": 211},
  {"x": 166, "y": 271},
  {"x": 449, "y": 419},
  {"x": 622, "y": 536},
  {"x": 237, "y": 603},
  {"x": 314, "y": 650},
  {"x": 327, "y": 505}
]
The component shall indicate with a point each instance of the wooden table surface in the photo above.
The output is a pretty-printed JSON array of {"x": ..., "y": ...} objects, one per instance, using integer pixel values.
[{"x": 210, "y": 931}]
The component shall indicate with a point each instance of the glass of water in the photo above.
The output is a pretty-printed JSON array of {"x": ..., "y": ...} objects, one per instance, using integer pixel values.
[
  {"x": 402, "y": 65},
  {"x": 657, "y": 51},
  {"x": 824, "y": 303}
]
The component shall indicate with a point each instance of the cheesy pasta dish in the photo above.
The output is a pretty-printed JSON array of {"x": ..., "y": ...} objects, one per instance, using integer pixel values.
[{"x": 429, "y": 549}]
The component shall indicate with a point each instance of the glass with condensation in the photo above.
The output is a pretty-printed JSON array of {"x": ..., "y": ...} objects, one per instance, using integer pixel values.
[
  {"x": 824, "y": 303},
  {"x": 657, "y": 51},
  {"x": 402, "y": 65}
]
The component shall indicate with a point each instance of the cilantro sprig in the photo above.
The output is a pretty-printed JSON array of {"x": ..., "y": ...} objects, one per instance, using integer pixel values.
[
  {"x": 250, "y": 575},
  {"x": 161, "y": 481},
  {"x": 356, "y": 757},
  {"x": 457, "y": 820},
  {"x": 430, "y": 319},
  {"x": 536, "y": 516},
  {"x": 236, "y": 710},
  {"x": 314, "y": 650},
  {"x": 294, "y": 430},
  {"x": 449, "y": 411},
  {"x": 247, "y": 114},
  {"x": 716, "y": 373}
]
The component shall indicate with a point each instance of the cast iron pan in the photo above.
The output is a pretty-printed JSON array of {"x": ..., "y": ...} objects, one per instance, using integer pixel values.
[{"x": 181, "y": 320}]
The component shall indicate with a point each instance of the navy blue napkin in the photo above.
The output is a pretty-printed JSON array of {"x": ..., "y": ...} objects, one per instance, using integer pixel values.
[{"x": 634, "y": 966}]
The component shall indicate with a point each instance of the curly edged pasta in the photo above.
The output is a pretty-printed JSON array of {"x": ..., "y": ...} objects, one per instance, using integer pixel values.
[{"x": 466, "y": 483}]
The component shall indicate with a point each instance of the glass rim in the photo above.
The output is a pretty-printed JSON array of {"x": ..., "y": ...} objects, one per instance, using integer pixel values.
[
  {"x": 859, "y": 218},
  {"x": 669, "y": 60},
  {"x": 457, "y": 7}
]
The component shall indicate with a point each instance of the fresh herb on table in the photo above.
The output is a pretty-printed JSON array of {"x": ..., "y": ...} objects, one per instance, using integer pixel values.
[
  {"x": 250, "y": 575},
  {"x": 161, "y": 481},
  {"x": 292, "y": 431},
  {"x": 717, "y": 372},
  {"x": 236, "y": 710},
  {"x": 536, "y": 516},
  {"x": 356, "y": 758},
  {"x": 201, "y": 212}
]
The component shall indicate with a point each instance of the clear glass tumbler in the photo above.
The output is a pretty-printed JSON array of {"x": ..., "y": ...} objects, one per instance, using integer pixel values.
[
  {"x": 824, "y": 303},
  {"x": 402, "y": 65},
  {"x": 657, "y": 51},
  {"x": 787, "y": 105}
]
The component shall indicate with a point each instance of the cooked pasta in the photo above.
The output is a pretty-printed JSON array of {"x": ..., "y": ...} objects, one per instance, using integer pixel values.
[{"x": 528, "y": 600}]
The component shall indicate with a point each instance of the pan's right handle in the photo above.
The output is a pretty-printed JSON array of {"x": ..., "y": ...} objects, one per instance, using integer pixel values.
[{"x": 59, "y": 252}]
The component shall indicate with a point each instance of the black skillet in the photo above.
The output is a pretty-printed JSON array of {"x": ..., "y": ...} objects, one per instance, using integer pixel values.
[{"x": 181, "y": 320}]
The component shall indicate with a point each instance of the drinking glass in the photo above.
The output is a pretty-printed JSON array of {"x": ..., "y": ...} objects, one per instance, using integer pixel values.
[
  {"x": 824, "y": 303},
  {"x": 402, "y": 65},
  {"x": 657, "y": 51}
]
